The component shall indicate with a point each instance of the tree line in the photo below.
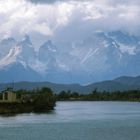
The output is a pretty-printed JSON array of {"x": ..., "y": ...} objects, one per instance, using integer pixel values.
[
  {"x": 95, "y": 95},
  {"x": 131, "y": 95}
]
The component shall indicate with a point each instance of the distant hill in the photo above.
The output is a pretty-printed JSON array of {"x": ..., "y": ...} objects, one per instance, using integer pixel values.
[
  {"x": 55, "y": 87},
  {"x": 119, "y": 84},
  {"x": 134, "y": 81}
]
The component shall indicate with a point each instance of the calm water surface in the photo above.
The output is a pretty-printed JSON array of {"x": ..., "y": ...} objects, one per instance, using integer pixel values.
[{"x": 76, "y": 121}]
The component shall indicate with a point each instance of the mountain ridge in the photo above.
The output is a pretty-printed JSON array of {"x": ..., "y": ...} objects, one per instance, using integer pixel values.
[
  {"x": 101, "y": 56},
  {"x": 109, "y": 86}
]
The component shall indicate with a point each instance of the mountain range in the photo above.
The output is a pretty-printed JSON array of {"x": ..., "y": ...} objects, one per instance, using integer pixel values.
[
  {"x": 101, "y": 56},
  {"x": 119, "y": 84}
]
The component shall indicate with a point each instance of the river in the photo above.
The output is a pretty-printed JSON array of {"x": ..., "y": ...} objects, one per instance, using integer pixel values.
[{"x": 76, "y": 121}]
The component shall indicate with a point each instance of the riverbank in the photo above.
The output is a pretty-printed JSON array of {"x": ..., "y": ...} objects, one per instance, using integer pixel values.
[
  {"x": 26, "y": 102},
  {"x": 16, "y": 108}
]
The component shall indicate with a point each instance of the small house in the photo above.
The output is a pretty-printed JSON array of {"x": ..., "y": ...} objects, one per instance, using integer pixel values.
[{"x": 8, "y": 96}]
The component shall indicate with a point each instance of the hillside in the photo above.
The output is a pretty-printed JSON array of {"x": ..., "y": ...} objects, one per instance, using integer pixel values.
[{"x": 119, "y": 84}]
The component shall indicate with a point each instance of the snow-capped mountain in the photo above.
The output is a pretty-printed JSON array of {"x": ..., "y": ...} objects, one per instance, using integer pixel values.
[
  {"x": 100, "y": 56},
  {"x": 47, "y": 55}
]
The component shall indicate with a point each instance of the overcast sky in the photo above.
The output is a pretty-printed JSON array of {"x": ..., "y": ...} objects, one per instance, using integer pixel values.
[{"x": 67, "y": 19}]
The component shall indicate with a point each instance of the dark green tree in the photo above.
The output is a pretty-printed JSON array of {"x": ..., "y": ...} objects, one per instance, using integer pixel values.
[{"x": 44, "y": 100}]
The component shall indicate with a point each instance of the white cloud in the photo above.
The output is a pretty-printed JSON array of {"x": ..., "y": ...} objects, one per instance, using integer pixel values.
[
  {"x": 68, "y": 18},
  {"x": 24, "y": 17}
]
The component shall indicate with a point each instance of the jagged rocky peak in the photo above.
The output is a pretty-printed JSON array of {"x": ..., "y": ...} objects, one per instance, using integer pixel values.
[
  {"x": 49, "y": 46},
  {"x": 26, "y": 40},
  {"x": 100, "y": 55},
  {"x": 8, "y": 40},
  {"x": 116, "y": 33},
  {"x": 49, "y": 42},
  {"x": 47, "y": 53},
  {"x": 124, "y": 37},
  {"x": 120, "y": 34}
]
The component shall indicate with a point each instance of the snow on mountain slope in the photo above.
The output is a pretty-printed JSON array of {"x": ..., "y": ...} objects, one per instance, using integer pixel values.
[
  {"x": 5, "y": 46},
  {"x": 11, "y": 57},
  {"x": 100, "y": 56},
  {"x": 127, "y": 43},
  {"x": 21, "y": 52}
]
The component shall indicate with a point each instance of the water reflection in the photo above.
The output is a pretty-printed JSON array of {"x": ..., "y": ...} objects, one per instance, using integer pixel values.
[
  {"x": 76, "y": 121},
  {"x": 77, "y": 112}
]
